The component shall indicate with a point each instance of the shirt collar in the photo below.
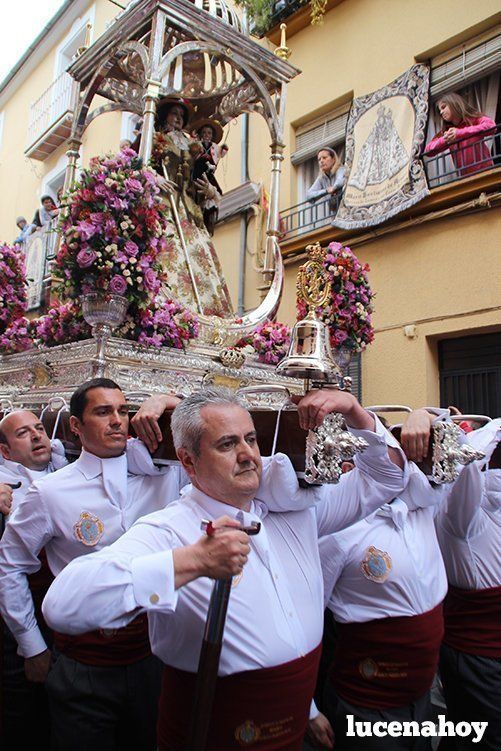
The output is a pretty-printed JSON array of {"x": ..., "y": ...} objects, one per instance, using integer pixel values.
[
  {"x": 91, "y": 465},
  {"x": 397, "y": 511},
  {"x": 17, "y": 469},
  {"x": 257, "y": 510}
]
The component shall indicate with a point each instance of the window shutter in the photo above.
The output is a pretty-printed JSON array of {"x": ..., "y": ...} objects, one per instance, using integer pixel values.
[
  {"x": 329, "y": 132},
  {"x": 465, "y": 66}
]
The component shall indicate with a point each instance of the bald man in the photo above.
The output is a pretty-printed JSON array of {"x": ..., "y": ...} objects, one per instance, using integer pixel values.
[{"x": 27, "y": 454}]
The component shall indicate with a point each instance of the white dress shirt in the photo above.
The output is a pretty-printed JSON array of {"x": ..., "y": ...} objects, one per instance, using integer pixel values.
[
  {"x": 276, "y": 606},
  {"x": 401, "y": 535},
  {"x": 13, "y": 472},
  {"x": 469, "y": 525},
  {"x": 79, "y": 509},
  {"x": 469, "y": 530}
]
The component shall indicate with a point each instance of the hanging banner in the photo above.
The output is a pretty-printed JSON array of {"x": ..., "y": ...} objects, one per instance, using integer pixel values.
[{"x": 384, "y": 137}]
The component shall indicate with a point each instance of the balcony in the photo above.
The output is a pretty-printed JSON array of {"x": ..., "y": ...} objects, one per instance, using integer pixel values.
[
  {"x": 469, "y": 159},
  {"x": 307, "y": 217},
  {"x": 51, "y": 117},
  {"x": 476, "y": 168}
]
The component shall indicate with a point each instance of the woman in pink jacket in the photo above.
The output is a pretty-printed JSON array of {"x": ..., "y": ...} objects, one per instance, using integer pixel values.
[{"x": 464, "y": 127}]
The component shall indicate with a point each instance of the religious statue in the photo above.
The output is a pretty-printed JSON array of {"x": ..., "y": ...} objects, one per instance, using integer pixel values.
[{"x": 194, "y": 276}]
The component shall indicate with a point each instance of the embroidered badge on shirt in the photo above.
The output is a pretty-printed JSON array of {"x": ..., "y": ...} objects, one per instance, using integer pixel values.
[
  {"x": 88, "y": 529},
  {"x": 376, "y": 565},
  {"x": 247, "y": 733}
]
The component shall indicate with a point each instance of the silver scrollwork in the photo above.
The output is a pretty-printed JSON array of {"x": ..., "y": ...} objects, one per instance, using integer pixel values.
[
  {"x": 327, "y": 447},
  {"x": 448, "y": 452}
]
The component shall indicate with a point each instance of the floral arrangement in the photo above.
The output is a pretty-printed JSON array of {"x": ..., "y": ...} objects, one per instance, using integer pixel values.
[
  {"x": 348, "y": 314},
  {"x": 17, "y": 336},
  {"x": 62, "y": 324},
  {"x": 270, "y": 341},
  {"x": 13, "y": 290},
  {"x": 113, "y": 232},
  {"x": 170, "y": 325}
]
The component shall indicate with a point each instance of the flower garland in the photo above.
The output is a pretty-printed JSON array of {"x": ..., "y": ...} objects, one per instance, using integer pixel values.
[
  {"x": 17, "y": 336},
  {"x": 349, "y": 312},
  {"x": 13, "y": 290},
  {"x": 113, "y": 232},
  {"x": 169, "y": 325},
  {"x": 62, "y": 324},
  {"x": 270, "y": 341}
]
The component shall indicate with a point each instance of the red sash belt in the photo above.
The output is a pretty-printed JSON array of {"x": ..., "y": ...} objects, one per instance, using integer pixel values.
[
  {"x": 264, "y": 709},
  {"x": 122, "y": 646},
  {"x": 388, "y": 662},
  {"x": 473, "y": 621}
]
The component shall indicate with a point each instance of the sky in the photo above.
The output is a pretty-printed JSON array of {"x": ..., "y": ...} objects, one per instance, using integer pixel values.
[{"x": 21, "y": 23}]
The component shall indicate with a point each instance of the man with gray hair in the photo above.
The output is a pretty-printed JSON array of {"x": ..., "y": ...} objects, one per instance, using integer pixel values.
[{"x": 162, "y": 566}]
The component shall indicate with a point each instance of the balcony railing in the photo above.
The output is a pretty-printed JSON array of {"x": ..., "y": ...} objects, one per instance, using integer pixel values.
[
  {"x": 465, "y": 160},
  {"x": 469, "y": 159},
  {"x": 307, "y": 217},
  {"x": 51, "y": 116},
  {"x": 281, "y": 9}
]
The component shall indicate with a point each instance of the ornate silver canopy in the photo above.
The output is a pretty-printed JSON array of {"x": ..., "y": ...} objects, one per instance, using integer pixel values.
[{"x": 194, "y": 50}]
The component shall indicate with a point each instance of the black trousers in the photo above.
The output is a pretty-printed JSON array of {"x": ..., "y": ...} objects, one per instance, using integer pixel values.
[
  {"x": 472, "y": 690},
  {"x": 336, "y": 710},
  {"x": 25, "y": 721},
  {"x": 96, "y": 708}
]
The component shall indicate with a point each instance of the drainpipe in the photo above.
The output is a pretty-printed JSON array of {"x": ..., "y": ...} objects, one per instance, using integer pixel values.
[{"x": 244, "y": 177}]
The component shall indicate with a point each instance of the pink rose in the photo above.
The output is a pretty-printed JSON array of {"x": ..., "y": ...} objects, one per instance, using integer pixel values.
[
  {"x": 118, "y": 285},
  {"x": 150, "y": 280},
  {"x": 86, "y": 258}
]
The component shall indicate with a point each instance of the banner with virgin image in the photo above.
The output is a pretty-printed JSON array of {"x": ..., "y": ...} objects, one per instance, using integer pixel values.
[{"x": 384, "y": 138}]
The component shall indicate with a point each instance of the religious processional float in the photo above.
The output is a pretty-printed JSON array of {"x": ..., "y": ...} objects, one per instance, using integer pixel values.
[{"x": 136, "y": 291}]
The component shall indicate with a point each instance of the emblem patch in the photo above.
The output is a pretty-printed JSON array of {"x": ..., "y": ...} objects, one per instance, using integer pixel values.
[
  {"x": 368, "y": 668},
  {"x": 376, "y": 565},
  {"x": 247, "y": 733},
  {"x": 88, "y": 529}
]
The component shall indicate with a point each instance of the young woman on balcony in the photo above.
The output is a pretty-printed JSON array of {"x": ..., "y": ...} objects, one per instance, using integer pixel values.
[
  {"x": 463, "y": 133},
  {"x": 331, "y": 176}
]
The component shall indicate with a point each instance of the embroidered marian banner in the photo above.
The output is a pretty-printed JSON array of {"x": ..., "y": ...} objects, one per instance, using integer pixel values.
[{"x": 384, "y": 137}]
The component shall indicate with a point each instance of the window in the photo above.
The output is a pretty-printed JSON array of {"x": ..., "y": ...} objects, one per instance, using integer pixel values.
[
  {"x": 79, "y": 35},
  {"x": 328, "y": 130},
  {"x": 472, "y": 70},
  {"x": 470, "y": 373}
]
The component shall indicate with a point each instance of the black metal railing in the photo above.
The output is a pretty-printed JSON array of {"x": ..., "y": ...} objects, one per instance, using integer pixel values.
[
  {"x": 309, "y": 216},
  {"x": 281, "y": 10},
  {"x": 465, "y": 159},
  {"x": 444, "y": 168}
]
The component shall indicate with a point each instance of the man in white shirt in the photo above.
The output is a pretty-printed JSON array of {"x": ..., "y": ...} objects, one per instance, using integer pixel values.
[
  {"x": 469, "y": 532},
  {"x": 273, "y": 630},
  {"x": 79, "y": 509},
  {"x": 384, "y": 582},
  {"x": 26, "y": 455}
]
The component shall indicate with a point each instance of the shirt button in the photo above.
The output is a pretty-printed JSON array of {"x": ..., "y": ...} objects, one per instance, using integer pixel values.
[
  {"x": 154, "y": 599},
  {"x": 291, "y": 615},
  {"x": 276, "y": 576}
]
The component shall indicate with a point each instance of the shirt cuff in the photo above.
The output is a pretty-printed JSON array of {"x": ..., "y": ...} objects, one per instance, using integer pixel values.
[
  {"x": 153, "y": 581},
  {"x": 379, "y": 436},
  {"x": 313, "y": 710},
  {"x": 31, "y": 643}
]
